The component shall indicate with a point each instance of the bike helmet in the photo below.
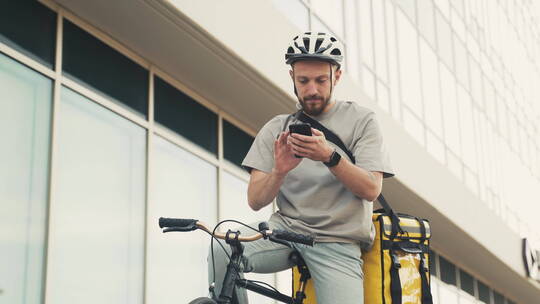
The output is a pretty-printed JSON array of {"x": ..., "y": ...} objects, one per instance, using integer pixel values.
[{"x": 315, "y": 46}]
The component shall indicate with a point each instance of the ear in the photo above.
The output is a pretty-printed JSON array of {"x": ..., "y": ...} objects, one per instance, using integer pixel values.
[
  {"x": 292, "y": 74},
  {"x": 337, "y": 74}
]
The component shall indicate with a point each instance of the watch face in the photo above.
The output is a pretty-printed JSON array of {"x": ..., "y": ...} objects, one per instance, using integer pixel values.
[{"x": 334, "y": 159}]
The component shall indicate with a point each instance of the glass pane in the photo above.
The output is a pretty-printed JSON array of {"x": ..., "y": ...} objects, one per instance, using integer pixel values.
[
  {"x": 29, "y": 27},
  {"x": 26, "y": 108},
  {"x": 296, "y": 11},
  {"x": 318, "y": 26},
  {"x": 180, "y": 113},
  {"x": 467, "y": 282},
  {"x": 331, "y": 12},
  {"x": 448, "y": 271},
  {"x": 433, "y": 263},
  {"x": 99, "y": 66},
  {"x": 236, "y": 143},
  {"x": 182, "y": 186},
  {"x": 233, "y": 205},
  {"x": 467, "y": 128},
  {"x": 483, "y": 292},
  {"x": 97, "y": 223},
  {"x": 497, "y": 298}
]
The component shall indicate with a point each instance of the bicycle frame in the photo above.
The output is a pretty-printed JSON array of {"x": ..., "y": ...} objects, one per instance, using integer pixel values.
[{"x": 232, "y": 278}]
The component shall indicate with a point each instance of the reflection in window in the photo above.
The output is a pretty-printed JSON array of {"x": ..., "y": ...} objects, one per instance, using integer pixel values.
[
  {"x": 97, "y": 222},
  {"x": 380, "y": 39},
  {"x": 296, "y": 11},
  {"x": 233, "y": 205},
  {"x": 25, "y": 132},
  {"x": 409, "y": 65},
  {"x": 184, "y": 186}
]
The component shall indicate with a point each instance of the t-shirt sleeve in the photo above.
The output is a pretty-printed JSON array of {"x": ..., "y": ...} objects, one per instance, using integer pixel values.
[
  {"x": 261, "y": 154},
  {"x": 369, "y": 149}
]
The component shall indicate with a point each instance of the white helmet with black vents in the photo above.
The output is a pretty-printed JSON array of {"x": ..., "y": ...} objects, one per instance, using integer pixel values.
[{"x": 315, "y": 46}]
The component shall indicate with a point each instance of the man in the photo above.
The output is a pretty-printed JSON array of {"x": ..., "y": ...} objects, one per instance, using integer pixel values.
[{"x": 323, "y": 193}]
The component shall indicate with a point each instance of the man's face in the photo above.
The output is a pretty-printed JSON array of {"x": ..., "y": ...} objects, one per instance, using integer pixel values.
[{"x": 313, "y": 85}]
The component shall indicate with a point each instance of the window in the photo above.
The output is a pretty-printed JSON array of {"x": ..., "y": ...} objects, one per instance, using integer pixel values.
[
  {"x": 233, "y": 205},
  {"x": 380, "y": 39},
  {"x": 236, "y": 143},
  {"x": 98, "y": 223},
  {"x": 25, "y": 131},
  {"x": 483, "y": 292},
  {"x": 185, "y": 186},
  {"x": 29, "y": 27},
  {"x": 467, "y": 282},
  {"x": 183, "y": 115},
  {"x": 99, "y": 66},
  {"x": 448, "y": 271}
]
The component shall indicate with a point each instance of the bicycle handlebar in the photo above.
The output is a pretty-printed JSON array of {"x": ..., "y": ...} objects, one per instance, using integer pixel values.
[{"x": 174, "y": 224}]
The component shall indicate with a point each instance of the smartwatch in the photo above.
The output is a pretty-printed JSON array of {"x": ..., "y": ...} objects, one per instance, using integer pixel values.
[{"x": 334, "y": 159}]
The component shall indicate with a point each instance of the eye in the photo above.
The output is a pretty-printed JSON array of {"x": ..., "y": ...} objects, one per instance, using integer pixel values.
[
  {"x": 303, "y": 81},
  {"x": 322, "y": 80}
]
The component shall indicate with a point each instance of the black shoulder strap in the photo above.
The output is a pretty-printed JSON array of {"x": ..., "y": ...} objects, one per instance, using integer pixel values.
[{"x": 330, "y": 136}]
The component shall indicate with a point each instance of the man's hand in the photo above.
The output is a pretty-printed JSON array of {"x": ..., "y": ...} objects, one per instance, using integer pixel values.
[
  {"x": 314, "y": 147},
  {"x": 284, "y": 159}
]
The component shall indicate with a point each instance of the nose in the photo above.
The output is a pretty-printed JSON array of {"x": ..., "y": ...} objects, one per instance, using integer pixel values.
[{"x": 311, "y": 88}]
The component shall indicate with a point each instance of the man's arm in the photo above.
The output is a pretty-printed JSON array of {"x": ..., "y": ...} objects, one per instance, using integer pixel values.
[
  {"x": 263, "y": 187},
  {"x": 362, "y": 183}
]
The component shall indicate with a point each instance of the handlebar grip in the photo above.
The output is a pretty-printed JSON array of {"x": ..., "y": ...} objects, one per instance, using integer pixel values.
[
  {"x": 175, "y": 222},
  {"x": 293, "y": 237}
]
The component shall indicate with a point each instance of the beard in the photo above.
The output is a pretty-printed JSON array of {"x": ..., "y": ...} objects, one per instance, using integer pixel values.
[{"x": 314, "y": 105}]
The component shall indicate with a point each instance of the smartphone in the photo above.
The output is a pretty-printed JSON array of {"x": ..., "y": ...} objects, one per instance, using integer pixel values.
[{"x": 301, "y": 128}]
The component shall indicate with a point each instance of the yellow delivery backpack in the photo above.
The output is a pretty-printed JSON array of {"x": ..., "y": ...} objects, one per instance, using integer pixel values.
[{"x": 396, "y": 268}]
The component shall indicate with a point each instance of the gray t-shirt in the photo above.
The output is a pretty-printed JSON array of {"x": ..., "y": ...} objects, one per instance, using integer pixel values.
[{"x": 311, "y": 199}]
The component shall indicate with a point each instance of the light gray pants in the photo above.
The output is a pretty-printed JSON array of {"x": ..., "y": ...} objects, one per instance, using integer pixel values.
[{"x": 336, "y": 268}]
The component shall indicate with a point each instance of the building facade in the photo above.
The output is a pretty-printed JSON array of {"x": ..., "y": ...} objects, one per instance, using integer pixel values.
[{"x": 115, "y": 113}]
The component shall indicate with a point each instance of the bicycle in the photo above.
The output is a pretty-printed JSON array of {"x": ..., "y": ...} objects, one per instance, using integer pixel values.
[{"x": 234, "y": 240}]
